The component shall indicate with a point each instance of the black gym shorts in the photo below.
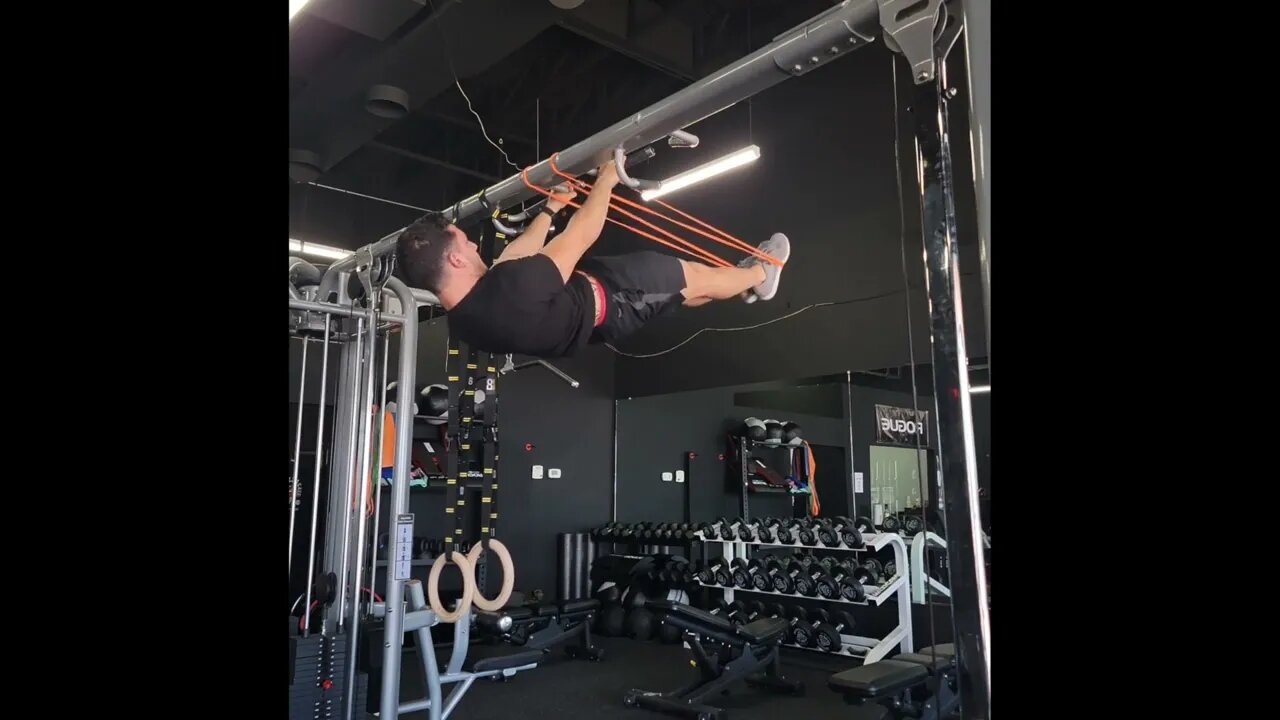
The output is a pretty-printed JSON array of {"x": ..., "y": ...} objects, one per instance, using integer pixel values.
[{"x": 639, "y": 287}]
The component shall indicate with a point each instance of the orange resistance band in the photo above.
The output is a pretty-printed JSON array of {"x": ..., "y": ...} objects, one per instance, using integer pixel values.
[
  {"x": 724, "y": 239},
  {"x": 682, "y": 245},
  {"x": 689, "y": 247},
  {"x": 815, "y": 506}
]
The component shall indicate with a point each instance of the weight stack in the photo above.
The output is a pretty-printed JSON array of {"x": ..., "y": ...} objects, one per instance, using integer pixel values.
[
  {"x": 574, "y": 552},
  {"x": 319, "y": 679}
]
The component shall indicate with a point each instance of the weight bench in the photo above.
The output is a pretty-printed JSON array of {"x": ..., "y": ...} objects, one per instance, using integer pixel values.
[
  {"x": 723, "y": 654},
  {"x": 542, "y": 627},
  {"x": 919, "y": 685}
]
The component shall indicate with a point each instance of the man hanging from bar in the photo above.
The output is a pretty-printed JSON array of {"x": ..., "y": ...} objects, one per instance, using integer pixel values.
[{"x": 547, "y": 300}]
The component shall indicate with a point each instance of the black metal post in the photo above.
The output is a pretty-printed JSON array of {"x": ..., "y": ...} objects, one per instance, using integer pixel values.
[{"x": 969, "y": 609}]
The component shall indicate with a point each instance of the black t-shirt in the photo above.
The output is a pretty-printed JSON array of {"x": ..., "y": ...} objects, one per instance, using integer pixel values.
[{"x": 524, "y": 306}]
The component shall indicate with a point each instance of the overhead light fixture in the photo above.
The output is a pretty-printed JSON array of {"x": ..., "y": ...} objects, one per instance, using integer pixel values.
[
  {"x": 315, "y": 250},
  {"x": 751, "y": 153},
  {"x": 979, "y": 389},
  {"x": 295, "y": 6}
]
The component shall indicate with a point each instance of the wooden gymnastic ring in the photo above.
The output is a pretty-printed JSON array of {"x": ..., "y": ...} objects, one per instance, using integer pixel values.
[
  {"x": 508, "y": 575},
  {"x": 468, "y": 586}
]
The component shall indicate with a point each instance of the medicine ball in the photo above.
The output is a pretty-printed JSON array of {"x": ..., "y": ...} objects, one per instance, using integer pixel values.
[
  {"x": 640, "y": 624},
  {"x": 434, "y": 402},
  {"x": 611, "y": 621},
  {"x": 773, "y": 432},
  {"x": 755, "y": 429},
  {"x": 791, "y": 434}
]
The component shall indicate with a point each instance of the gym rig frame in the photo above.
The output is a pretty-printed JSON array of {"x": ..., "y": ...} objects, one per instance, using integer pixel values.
[{"x": 924, "y": 33}]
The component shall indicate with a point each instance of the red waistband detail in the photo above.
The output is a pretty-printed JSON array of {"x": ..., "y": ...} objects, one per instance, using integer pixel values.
[{"x": 601, "y": 302}]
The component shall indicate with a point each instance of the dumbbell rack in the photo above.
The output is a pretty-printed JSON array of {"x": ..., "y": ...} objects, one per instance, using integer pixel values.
[{"x": 867, "y": 648}]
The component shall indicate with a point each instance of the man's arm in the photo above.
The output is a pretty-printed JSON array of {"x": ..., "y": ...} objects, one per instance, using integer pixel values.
[
  {"x": 569, "y": 246},
  {"x": 535, "y": 235}
]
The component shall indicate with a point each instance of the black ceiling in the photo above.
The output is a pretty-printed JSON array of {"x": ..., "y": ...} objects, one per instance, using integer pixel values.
[{"x": 540, "y": 77}]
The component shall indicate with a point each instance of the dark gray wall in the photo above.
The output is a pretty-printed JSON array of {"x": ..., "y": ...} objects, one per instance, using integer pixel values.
[
  {"x": 655, "y": 432},
  {"x": 826, "y": 177}
]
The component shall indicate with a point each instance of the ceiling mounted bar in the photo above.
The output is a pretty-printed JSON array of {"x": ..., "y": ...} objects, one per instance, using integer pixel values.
[{"x": 832, "y": 34}]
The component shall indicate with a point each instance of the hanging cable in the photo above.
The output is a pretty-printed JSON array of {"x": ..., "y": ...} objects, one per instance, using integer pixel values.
[{"x": 911, "y": 346}]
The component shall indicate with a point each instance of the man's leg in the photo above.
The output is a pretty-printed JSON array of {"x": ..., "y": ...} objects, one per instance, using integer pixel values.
[{"x": 704, "y": 283}]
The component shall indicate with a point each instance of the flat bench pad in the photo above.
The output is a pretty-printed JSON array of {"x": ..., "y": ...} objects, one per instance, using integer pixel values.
[
  {"x": 502, "y": 662},
  {"x": 877, "y": 679},
  {"x": 926, "y": 661}
]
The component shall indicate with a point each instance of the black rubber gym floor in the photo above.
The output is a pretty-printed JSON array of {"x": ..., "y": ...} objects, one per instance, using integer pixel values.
[{"x": 573, "y": 689}]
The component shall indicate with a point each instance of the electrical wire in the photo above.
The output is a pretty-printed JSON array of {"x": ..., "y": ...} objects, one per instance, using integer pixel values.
[
  {"x": 689, "y": 339},
  {"x": 369, "y": 197},
  {"x": 448, "y": 57},
  {"x": 481, "y": 121}
]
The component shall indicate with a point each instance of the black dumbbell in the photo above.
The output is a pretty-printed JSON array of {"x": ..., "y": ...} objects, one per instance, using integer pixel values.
[
  {"x": 625, "y": 533},
  {"x": 864, "y": 525},
  {"x": 764, "y": 529},
  {"x": 760, "y": 576},
  {"x": 890, "y": 569},
  {"x": 714, "y": 572},
  {"x": 839, "y": 531},
  {"x": 677, "y": 571},
  {"x": 798, "y": 618},
  {"x": 807, "y": 630},
  {"x": 708, "y": 531},
  {"x": 685, "y": 532},
  {"x": 801, "y": 578},
  {"x": 735, "y": 612},
  {"x": 745, "y": 531},
  {"x": 739, "y": 574},
  {"x": 846, "y": 584},
  {"x": 824, "y": 584},
  {"x": 805, "y": 522},
  {"x": 808, "y": 535},
  {"x": 726, "y": 530},
  {"x": 753, "y": 611},
  {"x": 786, "y": 532},
  {"x": 876, "y": 569},
  {"x": 912, "y": 524},
  {"x": 711, "y": 572},
  {"x": 891, "y": 524},
  {"x": 827, "y": 635},
  {"x": 780, "y": 577}
]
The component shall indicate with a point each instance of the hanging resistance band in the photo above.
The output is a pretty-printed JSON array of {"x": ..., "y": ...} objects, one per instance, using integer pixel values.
[{"x": 671, "y": 240}]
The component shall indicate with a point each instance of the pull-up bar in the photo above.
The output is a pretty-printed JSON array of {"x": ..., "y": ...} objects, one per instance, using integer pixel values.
[{"x": 827, "y": 36}]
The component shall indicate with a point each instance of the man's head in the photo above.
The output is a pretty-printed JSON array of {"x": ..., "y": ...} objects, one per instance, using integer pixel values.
[{"x": 433, "y": 254}]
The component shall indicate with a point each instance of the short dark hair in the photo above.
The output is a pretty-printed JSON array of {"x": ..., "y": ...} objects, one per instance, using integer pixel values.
[{"x": 421, "y": 250}]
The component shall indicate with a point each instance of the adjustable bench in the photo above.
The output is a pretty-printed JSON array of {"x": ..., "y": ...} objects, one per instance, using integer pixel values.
[
  {"x": 542, "y": 627},
  {"x": 722, "y": 654},
  {"x": 919, "y": 685}
]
